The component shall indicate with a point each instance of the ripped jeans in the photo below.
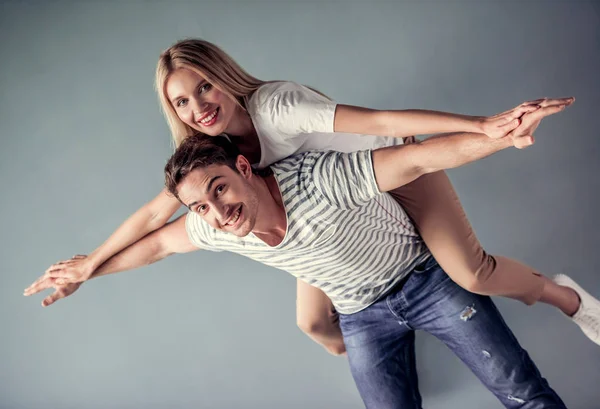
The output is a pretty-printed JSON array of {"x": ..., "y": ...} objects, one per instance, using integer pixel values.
[{"x": 380, "y": 343}]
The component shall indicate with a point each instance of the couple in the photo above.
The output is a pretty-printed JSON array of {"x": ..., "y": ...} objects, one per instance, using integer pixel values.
[{"x": 321, "y": 217}]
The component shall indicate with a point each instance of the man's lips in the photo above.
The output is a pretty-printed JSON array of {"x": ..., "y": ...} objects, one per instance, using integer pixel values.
[{"x": 235, "y": 218}]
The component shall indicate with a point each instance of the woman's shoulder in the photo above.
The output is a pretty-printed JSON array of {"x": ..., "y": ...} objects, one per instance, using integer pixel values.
[{"x": 274, "y": 90}]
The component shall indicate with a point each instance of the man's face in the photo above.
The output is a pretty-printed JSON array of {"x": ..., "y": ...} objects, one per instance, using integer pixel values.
[{"x": 224, "y": 198}]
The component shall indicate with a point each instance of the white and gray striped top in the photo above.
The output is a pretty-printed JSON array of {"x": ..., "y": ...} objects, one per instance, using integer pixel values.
[{"x": 343, "y": 236}]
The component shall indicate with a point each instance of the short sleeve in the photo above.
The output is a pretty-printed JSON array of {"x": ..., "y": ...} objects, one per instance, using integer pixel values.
[
  {"x": 295, "y": 109},
  {"x": 346, "y": 180},
  {"x": 198, "y": 232}
]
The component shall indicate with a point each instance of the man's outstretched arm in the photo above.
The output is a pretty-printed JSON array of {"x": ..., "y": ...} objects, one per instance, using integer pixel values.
[
  {"x": 398, "y": 165},
  {"x": 170, "y": 239}
]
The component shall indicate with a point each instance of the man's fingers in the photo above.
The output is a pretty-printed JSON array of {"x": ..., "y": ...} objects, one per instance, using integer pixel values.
[
  {"x": 541, "y": 113},
  {"x": 557, "y": 101},
  {"x": 52, "y": 298},
  {"x": 523, "y": 142},
  {"x": 547, "y": 111},
  {"x": 544, "y": 102}
]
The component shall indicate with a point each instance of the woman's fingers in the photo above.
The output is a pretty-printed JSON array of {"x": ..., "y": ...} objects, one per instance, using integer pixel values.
[{"x": 41, "y": 284}]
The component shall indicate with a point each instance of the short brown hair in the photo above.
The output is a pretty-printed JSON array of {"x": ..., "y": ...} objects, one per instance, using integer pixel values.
[{"x": 198, "y": 151}]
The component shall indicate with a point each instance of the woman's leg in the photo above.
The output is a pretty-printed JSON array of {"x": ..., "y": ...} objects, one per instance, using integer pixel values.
[{"x": 432, "y": 204}]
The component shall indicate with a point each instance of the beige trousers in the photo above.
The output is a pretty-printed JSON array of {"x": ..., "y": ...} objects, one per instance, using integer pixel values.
[{"x": 432, "y": 204}]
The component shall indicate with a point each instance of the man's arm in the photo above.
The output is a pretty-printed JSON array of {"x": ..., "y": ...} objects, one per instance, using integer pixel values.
[
  {"x": 172, "y": 238},
  {"x": 398, "y": 165}
]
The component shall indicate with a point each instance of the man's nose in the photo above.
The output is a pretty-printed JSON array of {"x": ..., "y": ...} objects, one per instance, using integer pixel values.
[{"x": 223, "y": 212}]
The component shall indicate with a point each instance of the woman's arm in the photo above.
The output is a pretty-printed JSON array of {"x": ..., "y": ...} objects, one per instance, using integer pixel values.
[
  {"x": 398, "y": 165},
  {"x": 147, "y": 219},
  {"x": 167, "y": 240},
  {"x": 359, "y": 120},
  {"x": 317, "y": 318}
]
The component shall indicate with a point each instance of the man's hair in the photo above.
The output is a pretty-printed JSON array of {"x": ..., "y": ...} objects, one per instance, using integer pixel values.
[{"x": 198, "y": 151}]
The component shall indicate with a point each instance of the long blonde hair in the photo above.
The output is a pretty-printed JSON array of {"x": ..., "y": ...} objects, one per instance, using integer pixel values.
[{"x": 213, "y": 64}]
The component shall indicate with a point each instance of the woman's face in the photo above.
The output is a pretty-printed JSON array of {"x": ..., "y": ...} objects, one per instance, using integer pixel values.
[{"x": 199, "y": 104}]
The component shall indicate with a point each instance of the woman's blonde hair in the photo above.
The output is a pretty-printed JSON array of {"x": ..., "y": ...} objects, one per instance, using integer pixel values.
[{"x": 213, "y": 64}]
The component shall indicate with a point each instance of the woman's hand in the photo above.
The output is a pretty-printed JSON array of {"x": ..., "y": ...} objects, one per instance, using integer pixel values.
[
  {"x": 501, "y": 125},
  {"x": 61, "y": 291},
  {"x": 522, "y": 136},
  {"x": 62, "y": 276},
  {"x": 76, "y": 270}
]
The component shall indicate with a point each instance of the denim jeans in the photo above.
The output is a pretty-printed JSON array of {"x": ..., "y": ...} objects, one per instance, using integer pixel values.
[{"x": 380, "y": 343}]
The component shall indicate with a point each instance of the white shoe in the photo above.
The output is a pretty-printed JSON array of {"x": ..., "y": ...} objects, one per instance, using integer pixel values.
[{"x": 588, "y": 314}]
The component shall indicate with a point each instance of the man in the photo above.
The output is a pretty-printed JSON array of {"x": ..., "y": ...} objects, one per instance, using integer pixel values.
[{"x": 321, "y": 216}]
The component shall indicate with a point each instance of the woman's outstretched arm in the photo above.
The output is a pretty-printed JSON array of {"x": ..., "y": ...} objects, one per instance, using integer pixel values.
[
  {"x": 402, "y": 123},
  {"x": 150, "y": 217}
]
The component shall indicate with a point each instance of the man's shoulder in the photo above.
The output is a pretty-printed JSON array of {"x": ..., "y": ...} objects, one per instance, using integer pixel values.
[{"x": 305, "y": 163}]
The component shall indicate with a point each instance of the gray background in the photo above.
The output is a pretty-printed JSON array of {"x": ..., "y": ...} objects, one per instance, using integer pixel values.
[{"x": 83, "y": 145}]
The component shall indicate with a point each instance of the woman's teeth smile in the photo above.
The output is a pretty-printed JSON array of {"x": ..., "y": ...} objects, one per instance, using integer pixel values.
[{"x": 210, "y": 118}]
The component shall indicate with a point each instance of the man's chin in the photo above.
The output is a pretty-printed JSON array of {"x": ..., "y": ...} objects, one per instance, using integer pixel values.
[{"x": 241, "y": 232}]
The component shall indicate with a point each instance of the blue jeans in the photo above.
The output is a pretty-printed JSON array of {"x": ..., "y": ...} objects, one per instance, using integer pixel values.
[{"x": 380, "y": 343}]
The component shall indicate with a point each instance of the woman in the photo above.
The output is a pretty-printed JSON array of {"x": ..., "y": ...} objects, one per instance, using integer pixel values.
[{"x": 201, "y": 89}]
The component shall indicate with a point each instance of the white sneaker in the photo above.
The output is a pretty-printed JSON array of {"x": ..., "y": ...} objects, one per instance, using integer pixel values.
[{"x": 588, "y": 314}]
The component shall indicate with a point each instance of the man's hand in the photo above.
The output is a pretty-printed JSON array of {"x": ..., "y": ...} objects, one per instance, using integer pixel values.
[
  {"x": 522, "y": 136},
  {"x": 61, "y": 291},
  {"x": 501, "y": 125},
  {"x": 54, "y": 277}
]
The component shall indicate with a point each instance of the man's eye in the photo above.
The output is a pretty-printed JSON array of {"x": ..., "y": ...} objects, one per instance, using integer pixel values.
[
  {"x": 220, "y": 188},
  {"x": 182, "y": 102},
  {"x": 201, "y": 208}
]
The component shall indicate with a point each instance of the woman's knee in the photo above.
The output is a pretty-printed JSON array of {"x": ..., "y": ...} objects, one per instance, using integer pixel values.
[{"x": 475, "y": 276}]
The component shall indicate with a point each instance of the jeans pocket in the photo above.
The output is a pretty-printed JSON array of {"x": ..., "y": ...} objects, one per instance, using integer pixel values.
[{"x": 428, "y": 264}]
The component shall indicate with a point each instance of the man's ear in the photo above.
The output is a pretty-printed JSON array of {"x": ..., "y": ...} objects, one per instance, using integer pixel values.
[{"x": 243, "y": 166}]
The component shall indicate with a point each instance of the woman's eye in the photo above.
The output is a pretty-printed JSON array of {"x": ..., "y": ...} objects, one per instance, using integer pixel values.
[
  {"x": 205, "y": 88},
  {"x": 182, "y": 102}
]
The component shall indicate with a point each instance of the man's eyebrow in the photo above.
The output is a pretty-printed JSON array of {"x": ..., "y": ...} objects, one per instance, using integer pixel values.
[{"x": 208, "y": 187}]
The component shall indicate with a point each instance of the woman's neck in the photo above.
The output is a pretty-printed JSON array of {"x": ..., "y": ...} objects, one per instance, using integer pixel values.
[{"x": 241, "y": 131}]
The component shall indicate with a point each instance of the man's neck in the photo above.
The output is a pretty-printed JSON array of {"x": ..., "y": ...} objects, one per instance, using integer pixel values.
[{"x": 271, "y": 218}]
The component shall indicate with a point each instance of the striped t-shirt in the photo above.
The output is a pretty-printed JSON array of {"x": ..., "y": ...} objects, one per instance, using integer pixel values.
[{"x": 343, "y": 236}]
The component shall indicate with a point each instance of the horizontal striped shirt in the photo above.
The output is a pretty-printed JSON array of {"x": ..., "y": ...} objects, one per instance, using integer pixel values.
[{"x": 343, "y": 236}]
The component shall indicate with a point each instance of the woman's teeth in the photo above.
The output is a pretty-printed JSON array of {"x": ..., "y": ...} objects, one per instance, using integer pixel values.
[{"x": 208, "y": 118}]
